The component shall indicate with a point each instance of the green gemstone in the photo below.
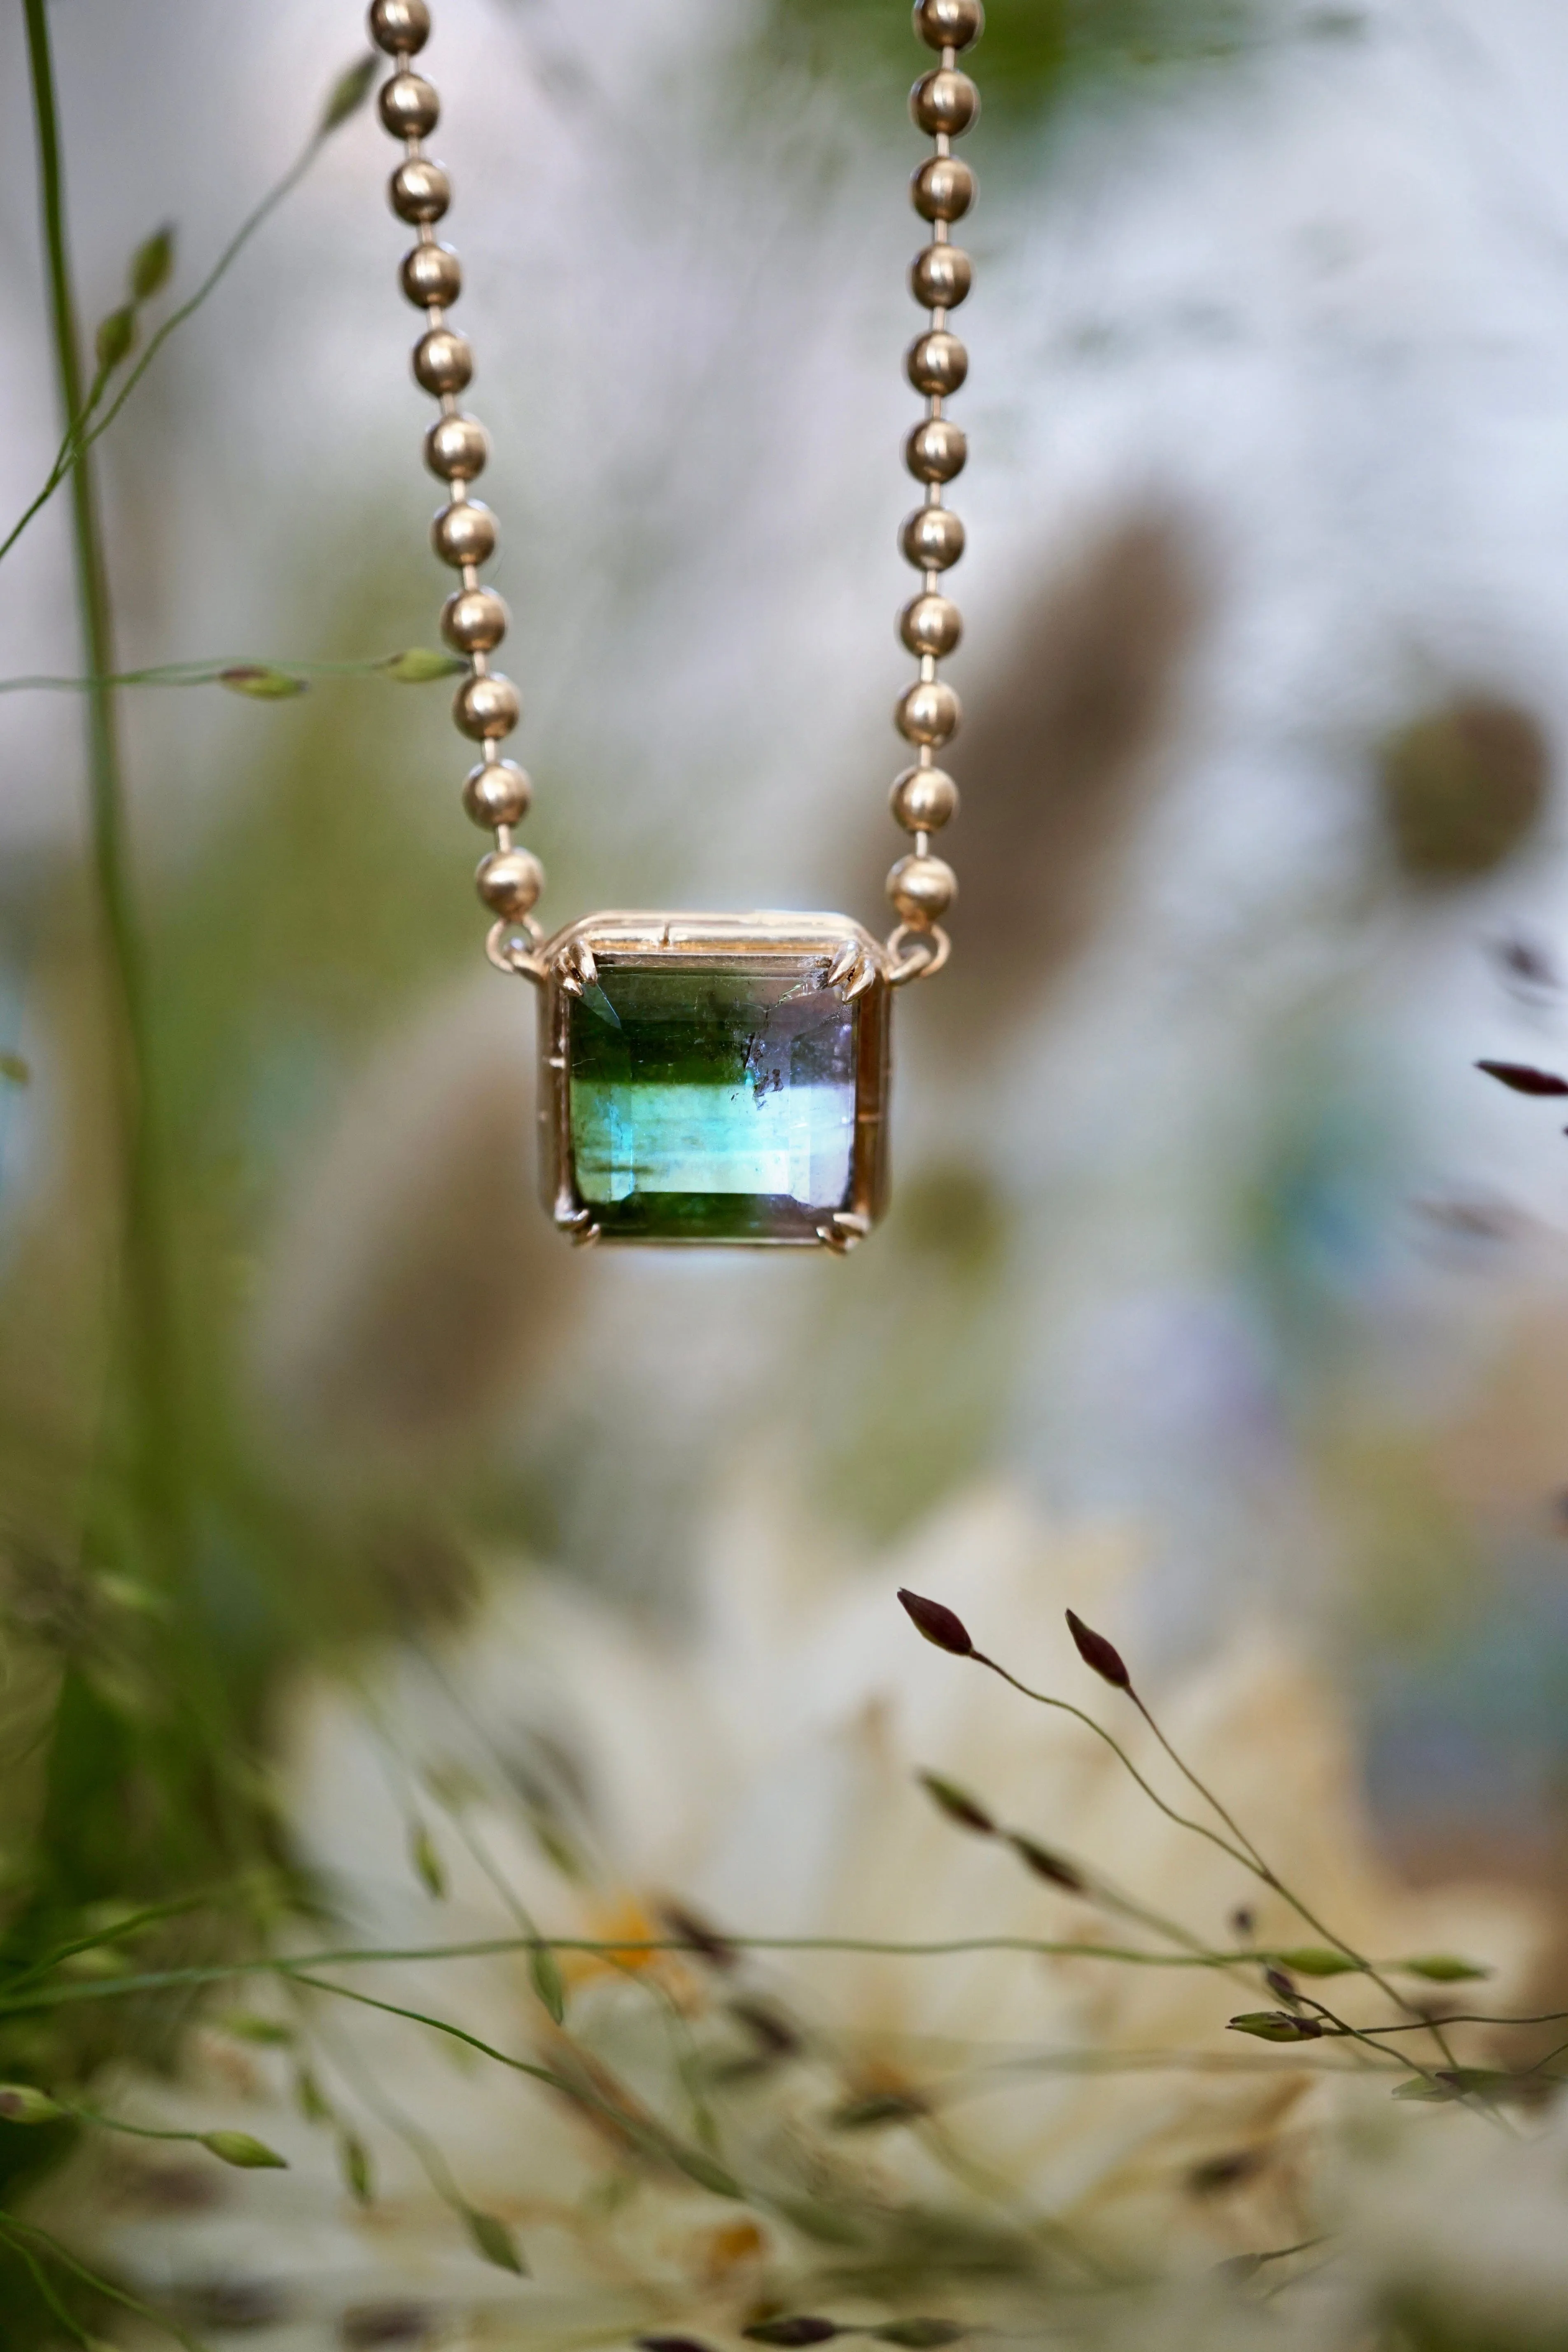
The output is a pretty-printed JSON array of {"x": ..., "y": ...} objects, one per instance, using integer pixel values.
[{"x": 714, "y": 1101}]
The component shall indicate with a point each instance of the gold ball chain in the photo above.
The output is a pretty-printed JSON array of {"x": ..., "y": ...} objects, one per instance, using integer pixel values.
[
  {"x": 943, "y": 102},
  {"x": 487, "y": 706}
]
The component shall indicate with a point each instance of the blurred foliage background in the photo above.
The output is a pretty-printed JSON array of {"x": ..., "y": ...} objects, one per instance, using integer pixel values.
[{"x": 1033, "y": 47}]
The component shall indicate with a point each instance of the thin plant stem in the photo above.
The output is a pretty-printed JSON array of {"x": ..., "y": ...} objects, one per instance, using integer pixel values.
[
  {"x": 425, "y": 2152},
  {"x": 14, "y": 2227},
  {"x": 1191, "y": 1778},
  {"x": 1270, "y": 1878},
  {"x": 213, "y": 672},
  {"x": 1243, "y": 1853},
  {"x": 652, "y": 2137},
  {"x": 148, "y": 1282},
  {"x": 501, "y": 1946},
  {"x": 46, "y": 2293},
  {"x": 81, "y": 431},
  {"x": 1066, "y": 1707}
]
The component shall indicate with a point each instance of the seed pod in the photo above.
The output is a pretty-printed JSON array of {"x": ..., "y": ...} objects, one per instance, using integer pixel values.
[
  {"x": 420, "y": 664},
  {"x": 21, "y": 2103},
  {"x": 262, "y": 684},
  {"x": 245, "y": 2154},
  {"x": 1047, "y": 1864},
  {"x": 1523, "y": 1079},
  {"x": 776, "y": 2035},
  {"x": 495, "y": 2241},
  {"x": 1490, "y": 2082},
  {"x": 349, "y": 93},
  {"x": 355, "y": 2157},
  {"x": 1317, "y": 1960},
  {"x": 790, "y": 2334},
  {"x": 938, "y": 1625},
  {"x": 426, "y": 1861},
  {"x": 1276, "y": 2025},
  {"x": 715, "y": 1948},
  {"x": 1099, "y": 1654},
  {"x": 957, "y": 1804},
  {"x": 544, "y": 1975},
  {"x": 153, "y": 265},
  {"x": 919, "y": 2335},
  {"x": 114, "y": 338}
]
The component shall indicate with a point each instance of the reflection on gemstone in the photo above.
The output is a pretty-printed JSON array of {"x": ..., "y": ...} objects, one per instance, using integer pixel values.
[{"x": 714, "y": 1101}]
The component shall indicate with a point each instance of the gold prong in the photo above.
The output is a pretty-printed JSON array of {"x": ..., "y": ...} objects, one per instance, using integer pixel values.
[
  {"x": 573, "y": 1220},
  {"x": 577, "y": 969},
  {"x": 852, "y": 971}
]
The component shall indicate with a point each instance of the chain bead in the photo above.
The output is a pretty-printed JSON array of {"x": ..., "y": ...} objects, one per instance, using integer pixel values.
[
  {"x": 498, "y": 792},
  {"x": 419, "y": 190},
  {"x": 401, "y": 27},
  {"x": 510, "y": 881},
  {"x": 936, "y": 450},
  {"x": 931, "y": 539},
  {"x": 486, "y": 708},
  {"x": 432, "y": 275},
  {"x": 443, "y": 361},
  {"x": 923, "y": 799},
  {"x": 930, "y": 625},
  {"x": 922, "y": 889},
  {"x": 941, "y": 275},
  {"x": 456, "y": 448},
  {"x": 944, "y": 103},
  {"x": 936, "y": 363},
  {"x": 409, "y": 106},
  {"x": 942, "y": 189},
  {"x": 474, "y": 620},
  {"x": 928, "y": 713},
  {"x": 949, "y": 24},
  {"x": 464, "y": 532}
]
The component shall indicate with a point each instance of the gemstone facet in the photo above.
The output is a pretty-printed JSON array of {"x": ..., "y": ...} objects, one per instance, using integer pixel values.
[{"x": 715, "y": 1079}]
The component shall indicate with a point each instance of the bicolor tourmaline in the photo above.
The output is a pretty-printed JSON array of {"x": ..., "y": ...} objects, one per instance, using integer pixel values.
[{"x": 712, "y": 1080}]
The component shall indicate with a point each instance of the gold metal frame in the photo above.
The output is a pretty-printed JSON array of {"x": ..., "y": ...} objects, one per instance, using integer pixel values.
[{"x": 857, "y": 966}]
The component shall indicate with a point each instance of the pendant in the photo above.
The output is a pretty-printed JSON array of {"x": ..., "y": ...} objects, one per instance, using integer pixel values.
[{"x": 714, "y": 1079}]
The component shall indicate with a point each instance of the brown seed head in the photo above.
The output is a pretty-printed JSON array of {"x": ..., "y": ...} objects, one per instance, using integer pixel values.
[
  {"x": 958, "y": 1804},
  {"x": 1280, "y": 1986},
  {"x": 938, "y": 1625},
  {"x": 685, "y": 1923},
  {"x": 1099, "y": 1654},
  {"x": 791, "y": 2333},
  {"x": 1523, "y": 1079},
  {"x": 1047, "y": 1864}
]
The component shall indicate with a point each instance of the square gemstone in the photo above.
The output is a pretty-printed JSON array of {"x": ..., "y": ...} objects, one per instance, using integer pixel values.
[{"x": 713, "y": 1086}]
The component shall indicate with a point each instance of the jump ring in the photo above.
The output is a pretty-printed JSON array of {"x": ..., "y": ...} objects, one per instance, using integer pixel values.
[
  {"x": 505, "y": 949},
  {"x": 916, "y": 965}
]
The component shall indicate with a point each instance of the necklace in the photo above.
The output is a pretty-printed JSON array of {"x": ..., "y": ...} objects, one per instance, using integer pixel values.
[{"x": 706, "y": 1078}]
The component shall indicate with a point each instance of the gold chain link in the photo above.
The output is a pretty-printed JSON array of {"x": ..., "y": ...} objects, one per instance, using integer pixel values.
[
  {"x": 944, "y": 102},
  {"x": 486, "y": 708}
]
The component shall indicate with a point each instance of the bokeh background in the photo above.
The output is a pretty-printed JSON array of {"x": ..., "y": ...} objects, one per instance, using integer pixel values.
[{"x": 1206, "y": 1227}]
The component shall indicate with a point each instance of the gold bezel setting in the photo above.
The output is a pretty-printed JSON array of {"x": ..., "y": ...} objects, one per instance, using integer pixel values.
[{"x": 845, "y": 958}]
